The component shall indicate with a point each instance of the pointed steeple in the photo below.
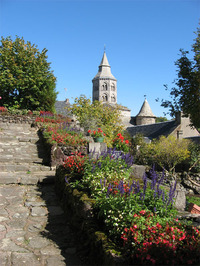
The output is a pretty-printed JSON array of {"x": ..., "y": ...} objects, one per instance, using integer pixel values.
[
  {"x": 104, "y": 61},
  {"x": 104, "y": 69}
]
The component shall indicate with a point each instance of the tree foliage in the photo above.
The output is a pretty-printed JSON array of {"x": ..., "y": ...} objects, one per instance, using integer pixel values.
[
  {"x": 186, "y": 94},
  {"x": 166, "y": 152},
  {"x": 94, "y": 115},
  {"x": 161, "y": 119},
  {"x": 26, "y": 81}
]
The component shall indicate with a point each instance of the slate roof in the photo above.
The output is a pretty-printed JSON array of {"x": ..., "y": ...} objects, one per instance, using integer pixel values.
[
  {"x": 60, "y": 107},
  {"x": 153, "y": 131}
]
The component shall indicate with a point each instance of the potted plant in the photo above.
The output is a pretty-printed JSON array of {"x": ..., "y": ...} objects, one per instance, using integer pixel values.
[{"x": 97, "y": 135}]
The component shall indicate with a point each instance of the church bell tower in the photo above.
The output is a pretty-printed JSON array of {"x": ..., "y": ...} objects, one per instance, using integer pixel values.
[{"x": 104, "y": 84}]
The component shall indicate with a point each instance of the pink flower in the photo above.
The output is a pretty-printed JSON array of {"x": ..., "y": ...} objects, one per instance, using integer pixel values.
[
  {"x": 142, "y": 212},
  {"x": 148, "y": 257},
  {"x": 153, "y": 261}
]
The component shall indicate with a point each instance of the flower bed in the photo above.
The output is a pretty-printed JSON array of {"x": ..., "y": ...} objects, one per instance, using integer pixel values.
[
  {"x": 79, "y": 210},
  {"x": 61, "y": 137},
  {"x": 138, "y": 217}
]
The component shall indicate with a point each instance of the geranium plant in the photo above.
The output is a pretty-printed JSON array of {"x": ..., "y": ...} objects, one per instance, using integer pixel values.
[
  {"x": 120, "y": 143},
  {"x": 96, "y": 133},
  {"x": 3, "y": 109},
  {"x": 74, "y": 163}
]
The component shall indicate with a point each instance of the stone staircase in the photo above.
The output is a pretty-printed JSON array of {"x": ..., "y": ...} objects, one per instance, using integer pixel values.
[{"x": 22, "y": 156}]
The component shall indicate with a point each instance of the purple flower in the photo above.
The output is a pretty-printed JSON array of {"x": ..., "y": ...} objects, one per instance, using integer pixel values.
[
  {"x": 121, "y": 187},
  {"x": 154, "y": 177},
  {"x": 66, "y": 180},
  {"x": 108, "y": 190},
  {"x": 101, "y": 183},
  {"x": 145, "y": 184},
  {"x": 171, "y": 193},
  {"x": 99, "y": 165}
]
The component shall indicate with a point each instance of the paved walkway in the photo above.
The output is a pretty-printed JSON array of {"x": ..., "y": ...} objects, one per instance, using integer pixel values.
[{"x": 33, "y": 228}]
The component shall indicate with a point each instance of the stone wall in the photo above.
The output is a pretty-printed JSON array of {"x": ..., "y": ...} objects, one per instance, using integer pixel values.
[
  {"x": 20, "y": 119},
  {"x": 144, "y": 120},
  {"x": 191, "y": 182},
  {"x": 58, "y": 152}
]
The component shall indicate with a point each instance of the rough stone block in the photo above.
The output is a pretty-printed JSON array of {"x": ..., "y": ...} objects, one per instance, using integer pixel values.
[
  {"x": 29, "y": 180},
  {"x": 180, "y": 200},
  {"x": 94, "y": 147},
  {"x": 138, "y": 170}
]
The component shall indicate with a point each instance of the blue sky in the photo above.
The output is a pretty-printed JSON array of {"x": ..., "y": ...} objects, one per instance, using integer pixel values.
[{"x": 142, "y": 41}]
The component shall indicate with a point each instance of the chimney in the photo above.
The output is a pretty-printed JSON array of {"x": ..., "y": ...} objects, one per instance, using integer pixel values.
[
  {"x": 67, "y": 101},
  {"x": 178, "y": 117}
]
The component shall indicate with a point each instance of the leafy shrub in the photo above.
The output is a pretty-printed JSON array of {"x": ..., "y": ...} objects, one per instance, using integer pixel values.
[
  {"x": 194, "y": 160},
  {"x": 165, "y": 152}
]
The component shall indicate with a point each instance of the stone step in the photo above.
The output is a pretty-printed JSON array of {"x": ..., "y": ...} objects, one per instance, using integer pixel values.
[
  {"x": 25, "y": 158},
  {"x": 25, "y": 167},
  {"x": 16, "y": 138},
  {"x": 22, "y": 149},
  {"x": 27, "y": 179},
  {"x": 16, "y": 127}
]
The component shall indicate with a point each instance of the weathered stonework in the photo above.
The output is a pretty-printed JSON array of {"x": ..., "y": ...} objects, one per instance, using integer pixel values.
[
  {"x": 105, "y": 84},
  {"x": 17, "y": 119}
]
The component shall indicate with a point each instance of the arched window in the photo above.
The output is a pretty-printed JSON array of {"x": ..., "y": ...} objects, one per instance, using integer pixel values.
[
  {"x": 104, "y": 97},
  {"x": 112, "y": 87},
  {"x": 104, "y": 87},
  {"x": 113, "y": 100}
]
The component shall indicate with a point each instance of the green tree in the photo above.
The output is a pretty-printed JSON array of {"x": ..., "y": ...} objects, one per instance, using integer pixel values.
[
  {"x": 186, "y": 94},
  {"x": 161, "y": 119},
  {"x": 26, "y": 81},
  {"x": 97, "y": 115}
]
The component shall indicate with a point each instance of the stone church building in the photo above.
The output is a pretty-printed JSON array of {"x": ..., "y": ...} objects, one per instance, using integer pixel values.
[{"x": 105, "y": 90}]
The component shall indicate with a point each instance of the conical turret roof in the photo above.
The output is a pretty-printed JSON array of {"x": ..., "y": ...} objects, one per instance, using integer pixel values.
[
  {"x": 104, "y": 69},
  {"x": 145, "y": 110}
]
